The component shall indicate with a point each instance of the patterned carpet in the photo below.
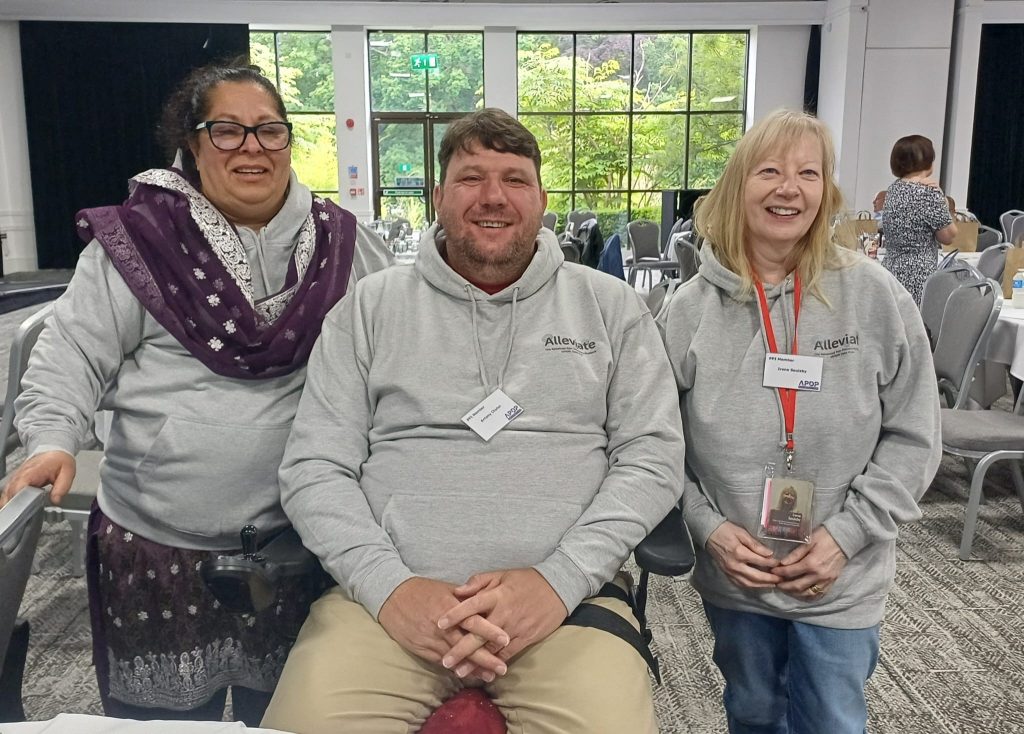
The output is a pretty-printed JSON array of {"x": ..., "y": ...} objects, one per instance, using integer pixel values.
[{"x": 952, "y": 644}]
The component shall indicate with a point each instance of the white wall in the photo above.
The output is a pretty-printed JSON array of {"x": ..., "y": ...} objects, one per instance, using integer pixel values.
[
  {"x": 19, "y": 247},
  {"x": 777, "y": 67}
]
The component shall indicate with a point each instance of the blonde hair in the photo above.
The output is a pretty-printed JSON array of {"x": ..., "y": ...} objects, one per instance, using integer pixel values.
[{"x": 722, "y": 217}]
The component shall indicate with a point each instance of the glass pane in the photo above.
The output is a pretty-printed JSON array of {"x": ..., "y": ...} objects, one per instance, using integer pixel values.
[
  {"x": 554, "y": 136},
  {"x": 645, "y": 205},
  {"x": 315, "y": 151},
  {"x": 719, "y": 64},
  {"x": 712, "y": 140},
  {"x": 457, "y": 85},
  {"x": 400, "y": 147},
  {"x": 560, "y": 204},
  {"x": 659, "y": 151},
  {"x": 662, "y": 70},
  {"x": 602, "y": 152},
  {"x": 261, "y": 53},
  {"x": 394, "y": 86},
  {"x": 307, "y": 75},
  {"x": 545, "y": 72},
  {"x": 603, "y": 72},
  {"x": 610, "y": 208},
  {"x": 403, "y": 240}
]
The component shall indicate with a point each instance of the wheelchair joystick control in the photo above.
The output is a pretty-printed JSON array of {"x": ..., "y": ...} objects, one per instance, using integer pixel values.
[{"x": 250, "y": 540}]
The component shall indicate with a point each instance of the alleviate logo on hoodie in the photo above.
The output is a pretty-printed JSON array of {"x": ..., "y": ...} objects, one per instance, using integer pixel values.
[
  {"x": 837, "y": 346},
  {"x": 555, "y": 343}
]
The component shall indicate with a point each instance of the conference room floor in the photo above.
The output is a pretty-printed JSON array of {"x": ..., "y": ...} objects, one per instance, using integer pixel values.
[{"x": 952, "y": 655}]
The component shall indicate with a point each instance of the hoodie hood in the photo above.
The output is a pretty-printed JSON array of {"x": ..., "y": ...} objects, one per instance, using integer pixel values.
[{"x": 545, "y": 263}]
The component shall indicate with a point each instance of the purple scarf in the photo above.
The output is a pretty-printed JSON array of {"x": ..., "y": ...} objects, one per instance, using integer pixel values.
[{"x": 186, "y": 265}]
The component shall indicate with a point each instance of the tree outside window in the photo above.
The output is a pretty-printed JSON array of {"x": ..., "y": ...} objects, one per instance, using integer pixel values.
[
  {"x": 622, "y": 116},
  {"x": 299, "y": 63}
]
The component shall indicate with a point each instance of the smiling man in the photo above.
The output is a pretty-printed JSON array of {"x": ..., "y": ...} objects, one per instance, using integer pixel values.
[{"x": 484, "y": 438}]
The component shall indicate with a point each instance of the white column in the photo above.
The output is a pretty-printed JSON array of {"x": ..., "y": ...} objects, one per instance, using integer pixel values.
[
  {"x": 501, "y": 81},
  {"x": 778, "y": 61},
  {"x": 956, "y": 169},
  {"x": 352, "y": 104},
  {"x": 19, "y": 247},
  {"x": 841, "y": 83}
]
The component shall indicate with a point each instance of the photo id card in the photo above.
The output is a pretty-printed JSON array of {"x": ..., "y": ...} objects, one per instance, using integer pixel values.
[
  {"x": 794, "y": 371},
  {"x": 492, "y": 414},
  {"x": 786, "y": 509}
]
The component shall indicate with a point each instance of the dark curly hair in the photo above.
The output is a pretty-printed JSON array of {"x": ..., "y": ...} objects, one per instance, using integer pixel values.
[{"x": 190, "y": 101}]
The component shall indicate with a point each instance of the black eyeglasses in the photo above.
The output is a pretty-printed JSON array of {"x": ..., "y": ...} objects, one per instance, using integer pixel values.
[{"x": 231, "y": 135}]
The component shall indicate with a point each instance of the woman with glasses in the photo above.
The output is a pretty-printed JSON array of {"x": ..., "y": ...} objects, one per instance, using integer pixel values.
[{"x": 190, "y": 317}]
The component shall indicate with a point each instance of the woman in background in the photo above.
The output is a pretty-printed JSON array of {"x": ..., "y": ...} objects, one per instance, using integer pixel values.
[
  {"x": 796, "y": 624},
  {"x": 190, "y": 316},
  {"x": 915, "y": 215}
]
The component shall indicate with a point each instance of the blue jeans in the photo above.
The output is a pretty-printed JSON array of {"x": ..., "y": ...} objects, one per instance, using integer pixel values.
[{"x": 785, "y": 677}]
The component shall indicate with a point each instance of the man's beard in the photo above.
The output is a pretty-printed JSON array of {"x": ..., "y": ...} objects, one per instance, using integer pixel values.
[{"x": 519, "y": 251}]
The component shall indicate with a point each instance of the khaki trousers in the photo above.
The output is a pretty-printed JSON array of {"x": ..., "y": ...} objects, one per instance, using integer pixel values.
[{"x": 345, "y": 674}]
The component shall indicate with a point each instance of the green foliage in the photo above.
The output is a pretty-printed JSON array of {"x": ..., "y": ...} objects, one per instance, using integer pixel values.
[
  {"x": 670, "y": 149},
  {"x": 302, "y": 68},
  {"x": 457, "y": 85}
]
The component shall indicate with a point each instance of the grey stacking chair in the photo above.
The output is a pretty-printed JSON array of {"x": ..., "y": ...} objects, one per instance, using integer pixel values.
[
  {"x": 571, "y": 252},
  {"x": 21, "y": 347},
  {"x": 988, "y": 237},
  {"x": 658, "y": 296},
  {"x": 644, "y": 242},
  {"x": 970, "y": 314},
  {"x": 984, "y": 437},
  {"x": 1016, "y": 236},
  {"x": 688, "y": 258},
  {"x": 1006, "y": 220},
  {"x": 550, "y": 220},
  {"x": 936, "y": 292},
  {"x": 20, "y": 522},
  {"x": 993, "y": 261},
  {"x": 576, "y": 218}
]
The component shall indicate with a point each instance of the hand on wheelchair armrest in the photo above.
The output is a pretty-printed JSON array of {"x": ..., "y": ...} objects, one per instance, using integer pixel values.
[
  {"x": 667, "y": 550},
  {"x": 247, "y": 582}
]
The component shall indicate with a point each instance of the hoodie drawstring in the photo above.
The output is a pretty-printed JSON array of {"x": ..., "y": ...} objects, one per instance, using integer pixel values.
[{"x": 479, "y": 350}]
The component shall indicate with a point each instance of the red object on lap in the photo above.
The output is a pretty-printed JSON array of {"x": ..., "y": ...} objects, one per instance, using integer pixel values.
[{"x": 470, "y": 711}]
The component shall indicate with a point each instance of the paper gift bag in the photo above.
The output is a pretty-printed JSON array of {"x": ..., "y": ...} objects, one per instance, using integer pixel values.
[
  {"x": 966, "y": 239},
  {"x": 848, "y": 231},
  {"x": 1014, "y": 262}
]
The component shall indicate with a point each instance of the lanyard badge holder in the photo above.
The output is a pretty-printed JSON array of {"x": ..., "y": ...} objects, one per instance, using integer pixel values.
[{"x": 787, "y": 501}]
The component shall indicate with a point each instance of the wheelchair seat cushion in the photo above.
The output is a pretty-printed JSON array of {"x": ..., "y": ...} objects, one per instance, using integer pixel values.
[{"x": 470, "y": 711}]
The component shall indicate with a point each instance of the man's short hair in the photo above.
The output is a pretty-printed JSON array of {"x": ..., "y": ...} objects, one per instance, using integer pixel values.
[
  {"x": 911, "y": 154},
  {"x": 491, "y": 129}
]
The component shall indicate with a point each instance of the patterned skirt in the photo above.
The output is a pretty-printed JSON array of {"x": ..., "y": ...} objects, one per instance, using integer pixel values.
[{"x": 161, "y": 639}]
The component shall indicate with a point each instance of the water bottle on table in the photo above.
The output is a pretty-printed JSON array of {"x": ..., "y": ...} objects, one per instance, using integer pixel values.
[{"x": 1018, "y": 289}]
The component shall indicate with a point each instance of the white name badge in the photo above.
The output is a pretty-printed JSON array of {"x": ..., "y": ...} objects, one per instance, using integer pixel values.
[
  {"x": 492, "y": 414},
  {"x": 795, "y": 371}
]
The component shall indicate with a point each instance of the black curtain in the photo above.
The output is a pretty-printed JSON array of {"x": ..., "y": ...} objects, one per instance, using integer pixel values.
[
  {"x": 93, "y": 93},
  {"x": 812, "y": 71},
  {"x": 996, "y": 181}
]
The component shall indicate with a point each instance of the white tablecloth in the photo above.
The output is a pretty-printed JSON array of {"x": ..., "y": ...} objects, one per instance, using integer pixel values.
[
  {"x": 82, "y": 724},
  {"x": 1006, "y": 345}
]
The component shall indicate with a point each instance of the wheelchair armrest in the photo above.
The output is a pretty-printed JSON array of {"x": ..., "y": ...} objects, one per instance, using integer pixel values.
[
  {"x": 247, "y": 582},
  {"x": 667, "y": 550}
]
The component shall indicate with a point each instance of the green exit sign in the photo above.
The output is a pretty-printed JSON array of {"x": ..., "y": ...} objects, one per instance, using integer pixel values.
[{"x": 418, "y": 62}]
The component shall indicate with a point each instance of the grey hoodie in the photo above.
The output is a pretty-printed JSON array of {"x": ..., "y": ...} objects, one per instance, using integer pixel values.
[
  {"x": 191, "y": 456},
  {"x": 383, "y": 480},
  {"x": 869, "y": 440}
]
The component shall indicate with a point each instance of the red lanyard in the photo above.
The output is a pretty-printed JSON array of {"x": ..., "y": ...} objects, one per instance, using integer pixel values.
[{"x": 787, "y": 395}]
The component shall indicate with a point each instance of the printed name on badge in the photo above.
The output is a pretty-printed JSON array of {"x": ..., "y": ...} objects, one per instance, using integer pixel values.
[
  {"x": 794, "y": 371},
  {"x": 492, "y": 414}
]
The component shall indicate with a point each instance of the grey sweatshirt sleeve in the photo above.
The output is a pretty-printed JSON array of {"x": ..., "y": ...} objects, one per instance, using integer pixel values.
[
  {"x": 322, "y": 464},
  {"x": 909, "y": 446},
  {"x": 371, "y": 254},
  {"x": 79, "y": 352},
  {"x": 645, "y": 470}
]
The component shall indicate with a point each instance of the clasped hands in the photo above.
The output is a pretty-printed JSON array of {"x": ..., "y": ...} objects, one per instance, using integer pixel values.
[
  {"x": 806, "y": 572},
  {"x": 476, "y": 628}
]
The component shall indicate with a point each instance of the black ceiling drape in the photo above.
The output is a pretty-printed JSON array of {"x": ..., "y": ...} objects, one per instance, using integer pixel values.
[
  {"x": 996, "y": 181},
  {"x": 93, "y": 93}
]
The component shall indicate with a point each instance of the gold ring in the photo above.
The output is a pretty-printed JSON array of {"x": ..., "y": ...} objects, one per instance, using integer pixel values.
[{"x": 817, "y": 589}]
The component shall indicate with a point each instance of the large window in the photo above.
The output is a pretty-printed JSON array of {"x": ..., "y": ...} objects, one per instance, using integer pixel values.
[
  {"x": 419, "y": 83},
  {"x": 622, "y": 116},
  {"x": 300, "y": 65}
]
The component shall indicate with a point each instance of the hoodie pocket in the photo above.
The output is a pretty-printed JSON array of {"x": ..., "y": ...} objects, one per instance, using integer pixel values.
[
  {"x": 208, "y": 479},
  {"x": 452, "y": 536}
]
